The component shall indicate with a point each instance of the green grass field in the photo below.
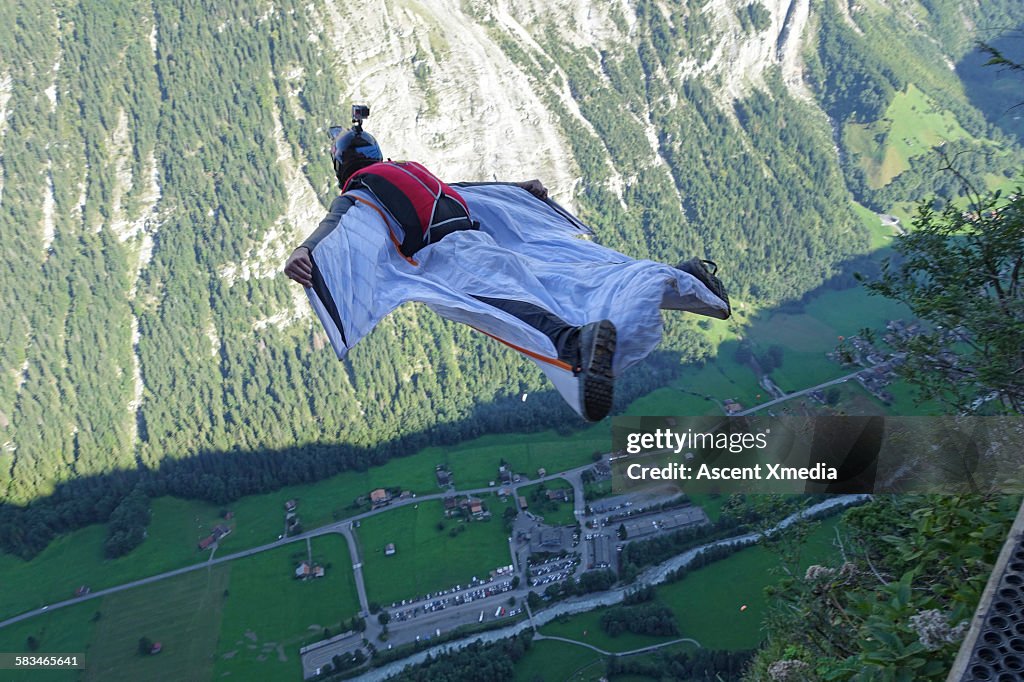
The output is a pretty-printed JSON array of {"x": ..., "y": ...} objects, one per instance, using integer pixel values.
[
  {"x": 586, "y": 627},
  {"x": 905, "y": 401},
  {"x": 246, "y": 618},
  {"x": 553, "y": 661},
  {"x": 77, "y": 558},
  {"x": 182, "y": 613},
  {"x": 672, "y": 401},
  {"x": 555, "y": 513},
  {"x": 720, "y": 378},
  {"x": 800, "y": 333},
  {"x": 595, "y": 490},
  {"x": 66, "y": 631},
  {"x": 711, "y": 503},
  {"x": 911, "y": 126},
  {"x": 475, "y": 464},
  {"x": 805, "y": 336},
  {"x": 559, "y": 662},
  {"x": 428, "y": 559},
  {"x": 268, "y": 614},
  {"x": 847, "y": 311},
  {"x": 881, "y": 235},
  {"x": 707, "y": 602}
]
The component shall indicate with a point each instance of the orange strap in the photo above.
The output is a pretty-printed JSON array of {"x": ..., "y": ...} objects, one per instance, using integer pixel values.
[
  {"x": 536, "y": 356},
  {"x": 394, "y": 239}
]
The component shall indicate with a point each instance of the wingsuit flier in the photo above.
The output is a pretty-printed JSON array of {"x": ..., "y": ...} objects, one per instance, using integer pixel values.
[{"x": 503, "y": 258}]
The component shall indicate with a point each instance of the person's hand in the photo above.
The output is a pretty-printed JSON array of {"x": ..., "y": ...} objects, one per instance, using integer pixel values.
[
  {"x": 535, "y": 187},
  {"x": 299, "y": 267}
]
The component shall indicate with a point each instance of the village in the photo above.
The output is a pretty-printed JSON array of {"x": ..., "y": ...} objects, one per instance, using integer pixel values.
[
  {"x": 880, "y": 365},
  {"x": 555, "y": 536}
]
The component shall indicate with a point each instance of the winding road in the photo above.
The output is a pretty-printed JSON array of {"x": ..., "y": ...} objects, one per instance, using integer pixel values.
[
  {"x": 642, "y": 650},
  {"x": 343, "y": 527}
]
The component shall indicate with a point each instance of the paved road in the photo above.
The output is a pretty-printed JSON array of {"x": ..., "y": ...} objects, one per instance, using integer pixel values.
[
  {"x": 357, "y": 568},
  {"x": 579, "y": 505},
  {"x": 653, "y": 575},
  {"x": 797, "y": 394},
  {"x": 337, "y": 527},
  {"x": 616, "y": 653}
]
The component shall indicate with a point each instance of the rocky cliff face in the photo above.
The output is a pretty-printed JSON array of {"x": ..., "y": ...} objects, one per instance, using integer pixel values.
[{"x": 443, "y": 88}]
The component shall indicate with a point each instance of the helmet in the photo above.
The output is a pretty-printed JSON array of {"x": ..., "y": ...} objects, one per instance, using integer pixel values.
[
  {"x": 354, "y": 144},
  {"x": 355, "y": 141}
]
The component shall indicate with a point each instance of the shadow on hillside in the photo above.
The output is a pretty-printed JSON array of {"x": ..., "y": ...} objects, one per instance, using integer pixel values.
[
  {"x": 996, "y": 90},
  {"x": 220, "y": 477}
]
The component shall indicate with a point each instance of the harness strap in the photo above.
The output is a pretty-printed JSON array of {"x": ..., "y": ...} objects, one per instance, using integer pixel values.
[
  {"x": 536, "y": 356},
  {"x": 391, "y": 233}
]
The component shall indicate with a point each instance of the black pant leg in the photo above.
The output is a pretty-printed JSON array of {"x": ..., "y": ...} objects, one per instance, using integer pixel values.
[{"x": 564, "y": 336}]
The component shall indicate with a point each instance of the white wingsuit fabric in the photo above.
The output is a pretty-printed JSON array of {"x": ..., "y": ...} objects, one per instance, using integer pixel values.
[{"x": 523, "y": 251}]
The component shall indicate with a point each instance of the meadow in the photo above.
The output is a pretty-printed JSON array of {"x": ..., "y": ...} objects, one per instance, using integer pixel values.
[
  {"x": 67, "y": 631},
  {"x": 552, "y": 660},
  {"x": 912, "y": 126},
  {"x": 247, "y": 618},
  {"x": 707, "y": 602},
  {"x": 807, "y": 336},
  {"x": 805, "y": 333},
  {"x": 475, "y": 464},
  {"x": 268, "y": 614},
  {"x": 77, "y": 559},
  {"x": 183, "y": 614},
  {"x": 711, "y": 503},
  {"x": 586, "y": 627},
  {"x": 432, "y": 552},
  {"x": 595, "y": 490}
]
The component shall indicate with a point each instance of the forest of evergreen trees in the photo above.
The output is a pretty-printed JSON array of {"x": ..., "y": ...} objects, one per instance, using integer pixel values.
[
  {"x": 189, "y": 94},
  {"x": 477, "y": 661}
]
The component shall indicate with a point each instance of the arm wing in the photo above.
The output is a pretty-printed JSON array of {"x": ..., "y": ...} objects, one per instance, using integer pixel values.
[{"x": 354, "y": 283}]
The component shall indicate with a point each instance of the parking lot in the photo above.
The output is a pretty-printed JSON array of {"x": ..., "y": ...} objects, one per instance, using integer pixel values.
[
  {"x": 639, "y": 500},
  {"x": 408, "y": 609},
  {"x": 552, "y": 570}
]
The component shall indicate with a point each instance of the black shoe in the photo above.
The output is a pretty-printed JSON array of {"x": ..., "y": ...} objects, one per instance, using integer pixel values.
[
  {"x": 597, "y": 384},
  {"x": 704, "y": 271}
]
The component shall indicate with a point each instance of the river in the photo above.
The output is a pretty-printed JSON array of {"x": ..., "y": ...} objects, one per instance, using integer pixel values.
[{"x": 653, "y": 575}]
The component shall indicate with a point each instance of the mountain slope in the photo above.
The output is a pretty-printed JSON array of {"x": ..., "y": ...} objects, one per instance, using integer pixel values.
[{"x": 161, "y": 158}]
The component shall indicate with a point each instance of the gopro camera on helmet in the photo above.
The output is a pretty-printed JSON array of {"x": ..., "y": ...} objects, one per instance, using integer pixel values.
[
  {"x": 359, "y": 113},
  {"x": 354, "y": 145}
]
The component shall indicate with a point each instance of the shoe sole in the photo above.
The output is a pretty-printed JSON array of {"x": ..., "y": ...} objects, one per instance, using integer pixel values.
[{"x": 597, "y": 384}]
